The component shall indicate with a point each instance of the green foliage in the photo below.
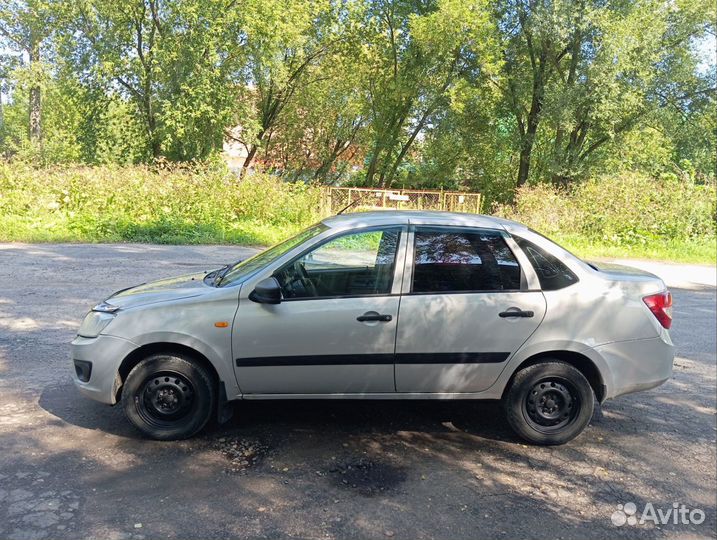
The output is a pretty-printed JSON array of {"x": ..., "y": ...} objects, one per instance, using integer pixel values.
[
  {"x": 416, "y": 55},
  {"x": 173, "y": 62},
  {"x": 481, "y": 95},
  {"x": 698, "y": 251},
  {"x": 367, "y": 241},
  {"x": 198, "y": 204},
  {"x": 580, "y": 76},
  {"x": 62, "y": 119},
  {"x": 628, "y": 211},
  {"x": 622, "y": 216}
]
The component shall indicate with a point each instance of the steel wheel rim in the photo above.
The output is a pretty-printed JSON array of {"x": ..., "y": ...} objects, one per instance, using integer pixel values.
[
  {"x": 164, "y": 398},
  {"x": 551, "y": 404}
]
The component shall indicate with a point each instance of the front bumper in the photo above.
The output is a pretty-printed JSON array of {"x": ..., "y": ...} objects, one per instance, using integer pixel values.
[
  {"x": 637, "y": 365},
  {"x": 105, "y": 353}
]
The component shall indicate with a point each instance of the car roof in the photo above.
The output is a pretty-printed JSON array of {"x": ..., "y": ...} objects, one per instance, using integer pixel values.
[{"x": 418, "y": 217}]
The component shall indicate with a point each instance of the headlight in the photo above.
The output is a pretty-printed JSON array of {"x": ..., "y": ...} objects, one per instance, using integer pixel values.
[{"x": 94, "y": 323}]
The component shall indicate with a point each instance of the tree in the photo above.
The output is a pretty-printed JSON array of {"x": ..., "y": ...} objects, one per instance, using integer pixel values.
[
  {"x": 415, "y": 55},
  {"x": 176, "y": 60},
  {"x": 8, "y": 63},
  {"x": 486, "y": 94},
  {"x": 535, "y": 40},
  {"x": 284, "y": 44},
  {"x": 589, "y": 71},
  {"x": 641, "y": 64},
  {"x": 24, "y": 25},
  {"x": 322, "y": 131}
]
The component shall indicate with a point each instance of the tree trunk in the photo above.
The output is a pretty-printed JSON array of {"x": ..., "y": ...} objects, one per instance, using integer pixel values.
[
  {"x": 326, "y": 165},
  {"x": 340, "y": 146},
  {"x": 526, "y": 149},
  {"x": 404, "y": 150},
  {"x": 559, "y": 154},
  {"x": 536, "y": 106},
  {"x": 524, "y": 167},
  {"x": 248, "y": 160},
  {"x": 154, "y": 142},
  {"x": 35, "y": 125},
  {"x": 371, "y": 171}
]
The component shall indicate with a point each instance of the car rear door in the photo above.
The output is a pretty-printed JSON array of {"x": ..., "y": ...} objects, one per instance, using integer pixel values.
[
  {"x": 466, "y": 307},
  {"x": 334, "y": 331}
]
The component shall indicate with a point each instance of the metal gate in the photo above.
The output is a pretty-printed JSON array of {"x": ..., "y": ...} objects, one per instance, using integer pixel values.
[{"x": 365, "y": 199}]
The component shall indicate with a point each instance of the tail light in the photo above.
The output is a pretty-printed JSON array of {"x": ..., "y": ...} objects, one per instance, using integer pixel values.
[{"x": 661, "y": 306}]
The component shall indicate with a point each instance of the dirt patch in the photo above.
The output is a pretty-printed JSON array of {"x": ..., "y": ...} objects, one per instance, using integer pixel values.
[
  {"x": 368, "y": 477},
  {"x": 241, "y": 453}
]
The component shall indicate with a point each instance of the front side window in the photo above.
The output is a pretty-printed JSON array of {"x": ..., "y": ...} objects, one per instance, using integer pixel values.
[
  {"x": 355, "y": 264},
  {"x": 243, "y": 269},
  {"x": 455, "y": 260},
  {"x": 552, "y": 274}
]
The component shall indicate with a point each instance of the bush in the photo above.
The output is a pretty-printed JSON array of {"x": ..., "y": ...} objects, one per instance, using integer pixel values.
[
  {"x": 627, "y": 215},
  {"x": 626, "y": 210},
  {"x": 201, "y": 204}
]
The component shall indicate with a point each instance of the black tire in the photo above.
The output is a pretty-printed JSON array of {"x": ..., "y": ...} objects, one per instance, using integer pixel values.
[
  {"x": 168, "y": 397},
  {"x": 549, "y": 403}
]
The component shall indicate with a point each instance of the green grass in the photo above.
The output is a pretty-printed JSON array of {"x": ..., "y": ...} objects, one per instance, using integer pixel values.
[
  {"x": 256, "y": 233},
  {"x": 622, "y": 217},
  {"x": 629, "y": 215},
  {"x": 141, "y": 204},
  {"x": 677, "y": 251},
  {"x": 241, "y": 232}
]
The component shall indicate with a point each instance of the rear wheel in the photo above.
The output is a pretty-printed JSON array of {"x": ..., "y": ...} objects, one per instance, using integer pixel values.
[
  {"x": 168, "y": 397},
  {"x": 549, "y": 403}
]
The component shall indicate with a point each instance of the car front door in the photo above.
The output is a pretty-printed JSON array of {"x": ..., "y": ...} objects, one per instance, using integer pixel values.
[
  {"x": 334, "y": 331},
  {"x": 466, "y": 308}
]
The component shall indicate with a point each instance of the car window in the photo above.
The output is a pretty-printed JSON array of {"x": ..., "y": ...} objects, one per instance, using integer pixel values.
[
  {"x": 354, "y": 264},
  {"x": 552, "y": 273},
  {"x": 453, "y": 260},
  {"x": 243, "y": 269}
]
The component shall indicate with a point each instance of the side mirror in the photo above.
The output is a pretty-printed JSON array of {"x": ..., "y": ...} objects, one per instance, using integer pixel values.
[{"x": 267, "y": 291}]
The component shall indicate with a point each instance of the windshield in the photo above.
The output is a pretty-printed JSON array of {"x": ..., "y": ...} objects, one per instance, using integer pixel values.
[{"x": 245, "y": 268}]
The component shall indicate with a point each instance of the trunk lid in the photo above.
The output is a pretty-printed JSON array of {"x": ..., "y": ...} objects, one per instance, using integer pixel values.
[{"x": 629, "y": 277}]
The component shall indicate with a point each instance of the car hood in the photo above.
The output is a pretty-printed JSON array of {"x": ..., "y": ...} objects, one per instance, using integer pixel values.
[{"x": 163, "y": 290}]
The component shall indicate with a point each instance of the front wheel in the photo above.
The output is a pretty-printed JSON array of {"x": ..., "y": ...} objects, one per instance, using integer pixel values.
[
  {"x": 549, "y": 403},
  {"x": 168, "y": 397}
]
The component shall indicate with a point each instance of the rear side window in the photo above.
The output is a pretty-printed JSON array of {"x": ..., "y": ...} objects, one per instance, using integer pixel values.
[
  {"x": 552, "y": 273},
  {"x": 455, "y": 260}
]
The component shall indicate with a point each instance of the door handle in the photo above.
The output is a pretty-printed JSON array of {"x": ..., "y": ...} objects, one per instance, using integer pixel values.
[
  {"x": 515, "y": 313},
  {"x": 373, "y": 316}
]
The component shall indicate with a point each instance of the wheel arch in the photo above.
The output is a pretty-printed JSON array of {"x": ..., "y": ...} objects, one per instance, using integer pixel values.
[
  {"x": 138, "y": 354},
  {"x": 579, "y": 361}
]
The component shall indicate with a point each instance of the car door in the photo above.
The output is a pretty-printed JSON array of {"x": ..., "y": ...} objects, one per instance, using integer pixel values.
[
  {"x": 334, "y": 331},
  {"x": 466, "y": 308}
]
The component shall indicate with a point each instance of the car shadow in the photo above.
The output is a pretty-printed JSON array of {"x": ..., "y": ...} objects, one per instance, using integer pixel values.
[
  {"x": 65, "y": 403},
  {"x": 484, "y": 419}
]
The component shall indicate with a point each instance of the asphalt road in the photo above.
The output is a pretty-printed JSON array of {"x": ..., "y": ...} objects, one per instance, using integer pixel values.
[{"x": 73, "y": 468}]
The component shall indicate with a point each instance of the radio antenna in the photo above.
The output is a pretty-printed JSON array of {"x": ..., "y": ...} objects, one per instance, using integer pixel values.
[{"x": 347, "y": 207}]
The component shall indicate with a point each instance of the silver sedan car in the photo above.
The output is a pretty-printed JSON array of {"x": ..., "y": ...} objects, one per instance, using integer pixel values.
[{"x": 383, "y": 305}]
